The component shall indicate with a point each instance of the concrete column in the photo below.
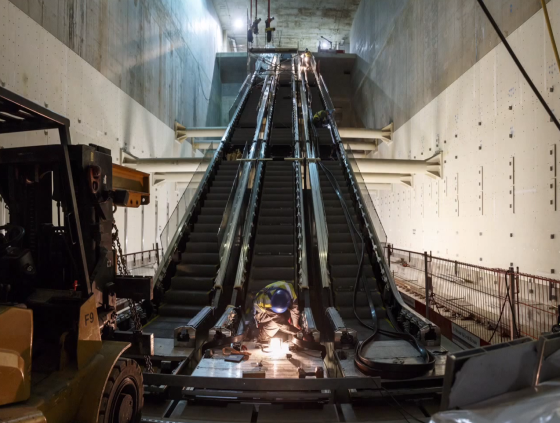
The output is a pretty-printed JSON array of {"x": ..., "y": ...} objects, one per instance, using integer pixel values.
[
  {"x": 387, "y": 178},
  {"x": 175, "y": 164},
  {"x": 431, "y": 167}
]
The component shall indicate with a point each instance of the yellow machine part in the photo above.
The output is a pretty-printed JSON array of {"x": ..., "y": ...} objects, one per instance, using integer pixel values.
[
  {"x": 72, "y": 394},
  {"x": 16, "y": 337}
]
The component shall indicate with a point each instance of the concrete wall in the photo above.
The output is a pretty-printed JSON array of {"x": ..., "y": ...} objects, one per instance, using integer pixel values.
[
  {"x": 122, "y": 83},
  {"x": 160, "y": 52},
  {"x": 496, "y": 204},
  {"x": 409, "y": 51}
]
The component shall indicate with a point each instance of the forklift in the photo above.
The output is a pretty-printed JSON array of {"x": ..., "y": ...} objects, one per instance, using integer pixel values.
[{"x": 60, "y": 296}]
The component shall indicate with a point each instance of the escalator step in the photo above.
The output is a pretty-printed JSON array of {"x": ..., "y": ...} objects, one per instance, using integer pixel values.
[
  {"x": 277, "y": 220},
  {"x": 200, "y": 258},
  {"x": 350, "y": 270},
  {"x": 272, "y": 261},
  {"x": 274, "y": 229},
  {"x": 198, "y": 298},
  {"x": 179, "y": 310},
  {"x": 204, "y": 237},
  {"x": 337, "y": 258},
  {"x": 201, "y": 247},
  {"x": 276, "y": 212},
  {"x": 222, "y": 184},
  {"x": 220, "y": 190},
  {"x": 211, "y": 211},
  {"x": 192, "y": 283},
  {"x": 338, "y": 228},
  {"x": 340, "y": 238},
  {"x": 341, "y": 247},
  {"x": 215, "y": 203},
  {"x": 267, "y": 249},
  {"x": 196, "y": 270},
  {"x": 206, "y": 227},
  {"x": 346, "y": 282},
  {"x": 269, "y": 195},
  {"x": 340, "y": 219},
  {"x": 268, "y": 204},
  {"x": 280, "y": 273},
  {"x": 209, "y": 218},
  {"x": 275, "y": 239},
  {"x": 344, "y": 298},
  {"x": 255, "y": 285}
]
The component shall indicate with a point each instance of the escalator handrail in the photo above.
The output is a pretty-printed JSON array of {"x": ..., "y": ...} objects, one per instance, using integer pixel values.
[
  {"x": 300, "y": 206},
  {"x": 317, "y": 198},
  {"x": 229, "y": 204},
  {"x": 250, "y": 215},
  {"x": 185, "y": 220},
  {"x": 241, "y": 191}
]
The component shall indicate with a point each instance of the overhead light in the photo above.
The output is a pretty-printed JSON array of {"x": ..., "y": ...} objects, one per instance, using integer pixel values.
[{"x": 238, "y": 24}]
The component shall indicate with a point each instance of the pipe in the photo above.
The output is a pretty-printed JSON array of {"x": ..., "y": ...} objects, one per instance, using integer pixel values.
[
  {"x": 550, "y": 33},
  {"x": 431, "y": 167},
  {"x": 518, "y": 63},
  {"x": 175, "y": 164},
  {"x": 269, "y": 12},
  {"x": 256, "y": 6}
]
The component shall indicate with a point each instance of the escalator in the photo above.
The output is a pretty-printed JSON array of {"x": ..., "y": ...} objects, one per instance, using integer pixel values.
[
  {"x": 190, "y": 277},
  {"x": 342, "y": 256},
  {"x": 363, "y": 306},
  {"x": 195, "y": 272}
]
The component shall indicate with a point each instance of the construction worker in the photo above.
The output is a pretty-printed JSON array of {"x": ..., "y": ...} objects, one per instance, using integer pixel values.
[
  {"x": 320, "y": 119},
  {"x": 275, "y": 309}
]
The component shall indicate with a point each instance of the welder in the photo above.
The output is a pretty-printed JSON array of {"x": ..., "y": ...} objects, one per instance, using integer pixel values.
[
  {"x": 320, "y": 119},
  {"x": 275, "y": 309}
]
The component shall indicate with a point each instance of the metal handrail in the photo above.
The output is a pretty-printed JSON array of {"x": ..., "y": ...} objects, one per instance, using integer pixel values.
[
  {"x": 227, "y": 211},
  {"x": 253, "y": 202},
  {"x": 242, "y": 188},
  {"x": 302, "y": 243},
  {"x": 316, "y": 195},
  {"x": 181, "y": 228},
  {"x": 376, "y": 244}
]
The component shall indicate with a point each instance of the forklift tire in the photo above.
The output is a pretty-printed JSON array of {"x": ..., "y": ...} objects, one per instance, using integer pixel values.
[{"x": 123, "y": 395}]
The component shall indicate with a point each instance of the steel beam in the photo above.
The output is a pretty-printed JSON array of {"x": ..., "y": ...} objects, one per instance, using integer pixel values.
[
  {"x": 174, "y": 164},
  {"x": 387, "y": 178},
  {"x": 431, "y": 167}
]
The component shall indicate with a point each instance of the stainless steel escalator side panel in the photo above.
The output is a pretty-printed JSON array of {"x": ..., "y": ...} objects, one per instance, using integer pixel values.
[
  {"x": 244, "y": 182},
  {"x": 318, "y": 206}
]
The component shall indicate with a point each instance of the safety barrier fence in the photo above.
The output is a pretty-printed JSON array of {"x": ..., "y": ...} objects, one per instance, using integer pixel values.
[
  {"x": 142, "y": 258},
  {"x": 495, "y": 305}
]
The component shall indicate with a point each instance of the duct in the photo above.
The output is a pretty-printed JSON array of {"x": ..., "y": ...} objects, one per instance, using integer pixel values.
[
  {"x": 387, "y": 178},
  {"x": 431, "y": 167},
  {"x": 385, "y": 134},
  {"x": 175, "y": 164}
]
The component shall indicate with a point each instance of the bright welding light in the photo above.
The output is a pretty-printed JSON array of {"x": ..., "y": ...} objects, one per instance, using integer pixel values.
[
  {"x": 275, "y": 346},
  {"x": 238, "y": 24}
]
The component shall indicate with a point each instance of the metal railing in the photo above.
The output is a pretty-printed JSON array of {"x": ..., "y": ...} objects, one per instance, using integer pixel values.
[
  {"x": 494, "y": 304},
  {"x": 142, "y": 258}
]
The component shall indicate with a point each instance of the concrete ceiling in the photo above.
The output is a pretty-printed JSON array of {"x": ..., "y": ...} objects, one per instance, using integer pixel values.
[{"x": 298, "y": 22}]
